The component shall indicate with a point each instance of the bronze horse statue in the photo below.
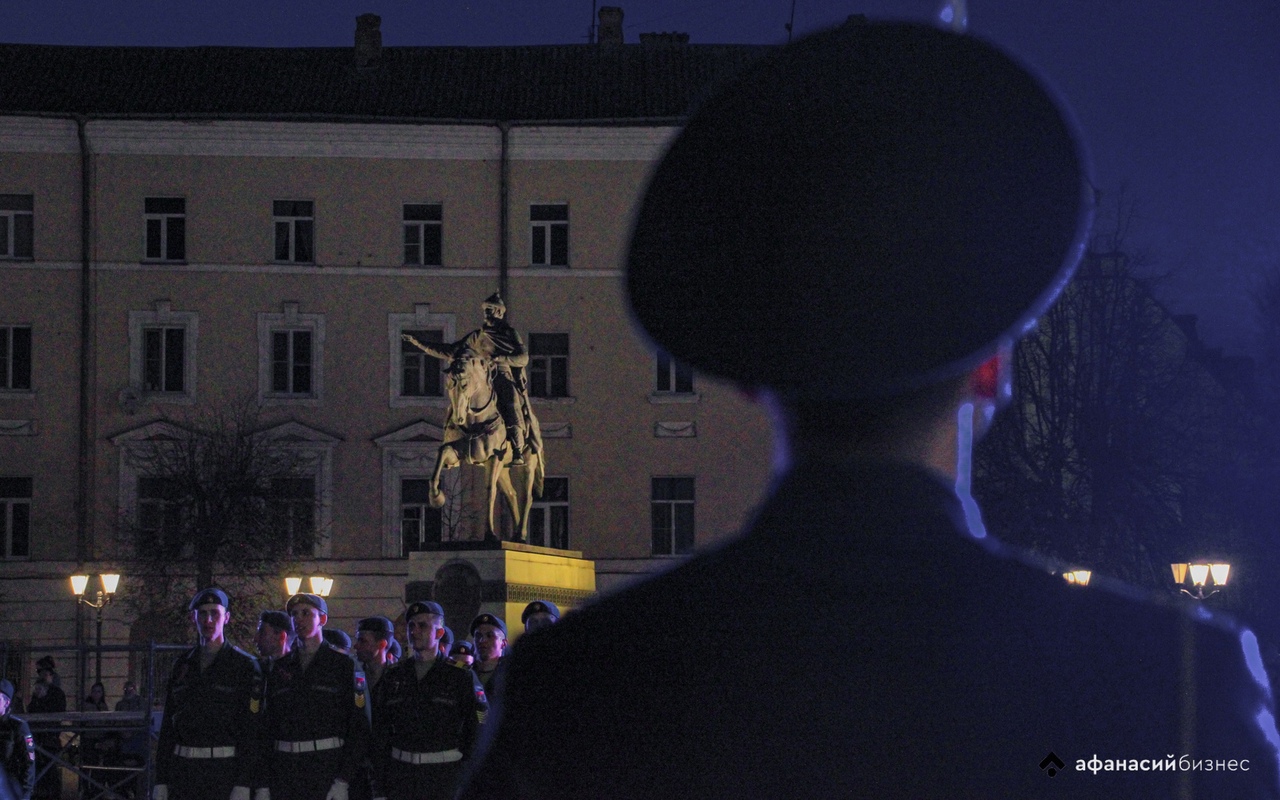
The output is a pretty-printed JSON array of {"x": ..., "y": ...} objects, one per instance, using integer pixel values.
[{"x": 474, "y": 433}]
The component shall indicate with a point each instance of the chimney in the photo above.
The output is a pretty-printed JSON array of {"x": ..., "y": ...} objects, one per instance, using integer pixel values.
[
  {"x": 368, "y": 40},
  {"x": 610, "y": 30}
]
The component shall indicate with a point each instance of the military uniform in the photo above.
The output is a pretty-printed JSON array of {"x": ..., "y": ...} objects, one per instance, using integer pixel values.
[
  {"x": 209, "y": 737},
  {"x": 424, "y": 728},
  {"x": 316, "y": 726},
  {"x": 17, "y": 753}
]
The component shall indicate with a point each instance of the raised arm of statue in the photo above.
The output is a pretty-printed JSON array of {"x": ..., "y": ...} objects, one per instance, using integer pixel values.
[{"x": 442, "y": 352}]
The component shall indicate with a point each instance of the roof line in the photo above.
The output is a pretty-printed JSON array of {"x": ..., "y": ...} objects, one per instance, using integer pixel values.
[{"x": 637, "y": 122}]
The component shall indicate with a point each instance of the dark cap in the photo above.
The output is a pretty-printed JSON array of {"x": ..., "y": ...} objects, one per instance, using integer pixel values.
[
  {"x": 310, "y": 599},
  {"x": 463, "y": 648},
  {"x": 393, "y": 647},
  {"x": 6, "y": 688},
  {"x": 206, "y": 596},
  {"x": 379, "y": 625},
  {"x": 277, "y": 619},
  {"x": 446, "y": 639},
  {"x": 544, "y": 606},
  {"x": 337, "y": 638},
  {"x": 894, "y": 199},
  {"x": 423, "y": 607},
  {"x": 488, "y": 619},
  {"x": 46, "y": 663}
]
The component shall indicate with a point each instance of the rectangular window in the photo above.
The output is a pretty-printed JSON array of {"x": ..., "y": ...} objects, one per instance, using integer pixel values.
[
  {"x": 549, "y": 235},
  {"x": 164, "y": 359},
  {"x": 419, "y": 372},
  {"x": 292, "y": 513},
  {"x": 295, "y": 230},
  {"x": 17, "y": 225},
  {"x": 549, "y": 517},
  {"x": 166, "y": 222},
  {"x": 420, "y": 524},
  {"x": 291, "y": 366},
  {"x": 671, "y": 510},
  {"x": 15, "y": 517},
  {"x": 15, "y": 357},
  {"x": 673, "y": 377},
  {"x": 159, "y": 513},
  {"x": 423, "y": 234},
  {"x": 549, "y": 364}
]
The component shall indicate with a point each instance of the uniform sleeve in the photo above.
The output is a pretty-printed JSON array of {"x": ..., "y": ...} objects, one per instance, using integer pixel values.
[
  {"x": 168, "y": 738},
  {"x": 27, "y": 744},
  {"x": 380, "y": 739},
  {"x": 356, "y": 747},
  {"x": 249, "y": 734},
  {"x": 479, "y": 703}
]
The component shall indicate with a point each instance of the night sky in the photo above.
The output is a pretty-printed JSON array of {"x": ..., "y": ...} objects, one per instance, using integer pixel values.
[{"x": 1179, "y": 100}]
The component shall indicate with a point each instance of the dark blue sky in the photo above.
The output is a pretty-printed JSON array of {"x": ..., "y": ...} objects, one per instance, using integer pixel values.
[{"x": 1179, "y": 100}]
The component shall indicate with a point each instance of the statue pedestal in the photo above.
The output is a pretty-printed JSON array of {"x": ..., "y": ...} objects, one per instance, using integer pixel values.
[{"x": 501, "y": 578}]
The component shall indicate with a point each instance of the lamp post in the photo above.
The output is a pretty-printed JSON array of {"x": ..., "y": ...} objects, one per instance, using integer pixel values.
[
  {"x": 1078, "y": 577},
  {"x": 110, "y": 582},
  {"x": 1201, "y": 575},
  {"x": 319, "y": 584}
]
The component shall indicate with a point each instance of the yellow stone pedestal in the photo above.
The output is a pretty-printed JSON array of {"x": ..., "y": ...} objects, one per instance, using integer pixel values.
[{"x": 501, "y": 578}]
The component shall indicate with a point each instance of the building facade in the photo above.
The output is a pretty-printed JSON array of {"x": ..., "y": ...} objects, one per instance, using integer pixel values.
[{"x": 185, "y": 229}]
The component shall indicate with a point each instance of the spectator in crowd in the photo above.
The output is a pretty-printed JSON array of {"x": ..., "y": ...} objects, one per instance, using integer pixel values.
[{"x": 47, "y": 698}]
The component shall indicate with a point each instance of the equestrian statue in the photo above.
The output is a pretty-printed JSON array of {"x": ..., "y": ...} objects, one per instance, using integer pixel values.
[{"x": 490, "y": 421}]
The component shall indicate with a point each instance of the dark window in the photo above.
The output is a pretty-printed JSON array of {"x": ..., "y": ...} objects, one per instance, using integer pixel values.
[
  {"x": 673, "y": 376},
  {"x": 420, "y": 524},
  {"x": 16, "y": 225},
  {"x": 549, "y": 235},
  {"x": 671, "y": 509},
  {"x": 15, "y": 517},
  {"x": 163, "y": 359},
  {"x": 549, "y": 517},
  {"x": 295, "y": 228},
  {"x": 159, "y": 509},
  {"x": 549, "y": 364},
  {"x": 166, "y": 220},
  {"x": 419, "y": 372},
  {"x": 291, "y": 366},
  {"x": 15, "y": 357},
  {"x": 292, "y": 513},
  {"x": 423, "y": 234}
]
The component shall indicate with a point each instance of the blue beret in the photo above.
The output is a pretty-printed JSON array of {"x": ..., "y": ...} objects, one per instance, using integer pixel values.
[
  {"x": 337, "y": 638},
  {"x": 463, "y": 648},
  {"x": 537, "y": 606},
  {"x": 380, "y": 625},
  {"x": 423, "y": 607},
  {"x": 277, "y": 619},
  {"x": 488, "y": 619},
  {"x": 310, "y": 599},
  {"x": 6, "y": 688},
  {"x": 393, "y": 647},
  {"x": 206, "y": 596}
]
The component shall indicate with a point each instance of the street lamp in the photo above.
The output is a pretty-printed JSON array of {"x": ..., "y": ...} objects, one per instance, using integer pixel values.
[
  {"x": 110, "y": 582},
  {"x": 1078, "y": 577},
  {"x": 1201, "y": 575},
  {"x": 320, "y": 585}
]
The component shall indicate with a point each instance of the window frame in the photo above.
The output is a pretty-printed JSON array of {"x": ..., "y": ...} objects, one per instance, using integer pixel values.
[
  {"x": 291, "y": 321},
  {"x": 427, "y": 512},
  {"x": 162, "y": 316},
  {"x": 10, "y": 212},
  {"x": 420, "y": 226},
  {"x": 548, "y": 224},
  {"x": 545, "y": 510},
  {"x": 397, "y": 324},
  {"x": 165, "y": 221},
  {"x": 293, "y": 222},
  {"x": 544, "y": 364},
  {"x": 10, "y": 501},
  {"x": 9, "y": 360},
  {"x": 671, "y": 503}
]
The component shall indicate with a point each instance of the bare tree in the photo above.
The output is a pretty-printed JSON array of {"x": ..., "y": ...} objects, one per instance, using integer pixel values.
[{"x": 219, "y": 503}]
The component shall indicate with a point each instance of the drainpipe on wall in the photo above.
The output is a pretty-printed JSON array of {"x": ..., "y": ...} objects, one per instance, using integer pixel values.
[
  {"x": 504, "y": 244},
  {"x": 85, "y": 473}
]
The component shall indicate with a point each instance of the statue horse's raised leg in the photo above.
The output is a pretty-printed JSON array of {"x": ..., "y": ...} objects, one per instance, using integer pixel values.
[{"x": 447, "y": 457}]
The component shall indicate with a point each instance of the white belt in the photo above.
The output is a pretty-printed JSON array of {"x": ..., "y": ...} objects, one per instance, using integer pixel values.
[
  {"x": 442, "y": 757},
  {"x": 332, "y": 743},
  {"x": 204, "y": 752}
]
